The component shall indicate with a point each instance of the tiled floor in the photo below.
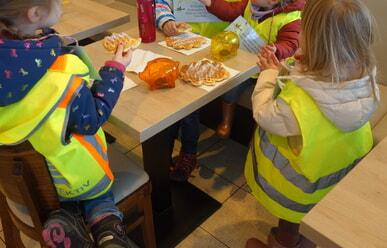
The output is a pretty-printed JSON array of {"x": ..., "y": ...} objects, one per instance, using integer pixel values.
[{"x": 221, "y": 177}]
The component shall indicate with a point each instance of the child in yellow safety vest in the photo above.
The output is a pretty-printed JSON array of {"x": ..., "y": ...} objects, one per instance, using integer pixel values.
[
  {"x": 313, "y": 123},
  {"x": 45, "y": 99}
]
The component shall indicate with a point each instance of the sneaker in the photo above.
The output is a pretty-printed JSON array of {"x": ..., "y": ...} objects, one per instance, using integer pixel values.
[
  {"x": 109, "y": 232},
  {"x": 186, "y": 163},
  {"x": 65, "y": 230}
]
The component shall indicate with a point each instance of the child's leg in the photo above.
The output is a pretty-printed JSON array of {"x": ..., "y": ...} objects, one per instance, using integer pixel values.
[
  {"x": 190, "y": 132},
  {"x": 97, "y": 208},
  {"x": 229, "y": 100},
  {"x": 285, "y": 236},
  {"x": 287, "y": 233},
  {"x": 187, "y": 161},
  {"x": 105, "y": 221},
  {"x": 65, "y": 228},
  {"x": 173, "y": 134}
]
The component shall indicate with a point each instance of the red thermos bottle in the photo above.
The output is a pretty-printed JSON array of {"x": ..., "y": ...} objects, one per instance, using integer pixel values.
[{"x": 146, "y": 20}]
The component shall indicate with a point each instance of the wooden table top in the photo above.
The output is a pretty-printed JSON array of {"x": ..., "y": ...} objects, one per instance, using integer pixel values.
[
  {"x": 84, "y": 18},
  {"x": 354, "y": 213},
  {"x": 143, "y": 113}
]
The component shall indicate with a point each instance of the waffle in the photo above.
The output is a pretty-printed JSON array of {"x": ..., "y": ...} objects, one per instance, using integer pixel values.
[
  {"x": 110, "y": 43},
  {"x": 204, "y": 72},
  {"x": 185, "y": 43},
  {"x": 184, "y": 28}
]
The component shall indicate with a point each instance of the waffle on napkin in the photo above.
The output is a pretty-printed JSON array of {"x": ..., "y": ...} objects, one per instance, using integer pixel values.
[
  {"x": 185, "y": 43},
  {"x": 204, "y": 72},
  {"x": 110, "y": 43}
]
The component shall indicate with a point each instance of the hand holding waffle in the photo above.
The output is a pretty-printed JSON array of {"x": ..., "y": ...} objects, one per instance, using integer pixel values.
[{"x": 125, "y": 58}]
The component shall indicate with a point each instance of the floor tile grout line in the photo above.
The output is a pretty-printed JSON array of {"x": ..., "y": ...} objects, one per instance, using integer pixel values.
[{"x": 216, "y": 238}]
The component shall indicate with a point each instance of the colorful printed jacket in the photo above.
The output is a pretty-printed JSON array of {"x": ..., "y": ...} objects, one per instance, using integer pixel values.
[{"x": 44, "y": 98}]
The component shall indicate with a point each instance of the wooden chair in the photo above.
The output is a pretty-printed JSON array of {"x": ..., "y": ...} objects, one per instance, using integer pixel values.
[{"x": 27, "y": 194}]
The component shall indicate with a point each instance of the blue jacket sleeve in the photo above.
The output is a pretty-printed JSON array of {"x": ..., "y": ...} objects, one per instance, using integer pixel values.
[{"x": 92, "y": 107}]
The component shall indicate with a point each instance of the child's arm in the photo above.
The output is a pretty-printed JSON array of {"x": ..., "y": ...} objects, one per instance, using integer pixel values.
[
  {"x": 207, "y": 3},
  {"x": 287, "y": 40},
  {"x": 226, "y": 11},
  {"x": 92, "y": 107},
  {"x": 170, "y": 28},
  {"x": 268, "y": 61},
  {"x": 164, "y": 13},
  {"x": 273, "y": 115}
]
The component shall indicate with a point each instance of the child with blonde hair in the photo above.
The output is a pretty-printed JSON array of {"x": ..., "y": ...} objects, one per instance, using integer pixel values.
[
  {"x": 45, "y": 99},
  {"x": 313, "y": 124}
]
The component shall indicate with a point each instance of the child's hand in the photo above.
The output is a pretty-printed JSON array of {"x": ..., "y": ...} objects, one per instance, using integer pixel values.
[
  {"x": 266, "y": 50},
  {"x": 206, "y": 2},
  {"x": 299, "y": 54},
  {"x": 122, "y": 57},
  {"x": 269, "y": 61},
  {"x": 170, "y": 28}
]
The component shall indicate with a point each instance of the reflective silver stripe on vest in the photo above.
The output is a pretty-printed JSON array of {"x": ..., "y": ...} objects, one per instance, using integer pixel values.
[
  {"x": 282, "y": 164},
  {"x": 95, "y": 190}
]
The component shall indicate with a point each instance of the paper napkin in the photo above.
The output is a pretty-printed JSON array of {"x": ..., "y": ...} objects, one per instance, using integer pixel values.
[{"x": 141, "y": 58}]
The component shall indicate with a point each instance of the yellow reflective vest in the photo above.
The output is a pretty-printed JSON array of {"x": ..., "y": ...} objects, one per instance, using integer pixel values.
[
  {"x": 289, "y": 184},
  {"x": 78, "y": 165},
  {"x": 268, "y": 29},
  {"x": 210, "y": 29}
]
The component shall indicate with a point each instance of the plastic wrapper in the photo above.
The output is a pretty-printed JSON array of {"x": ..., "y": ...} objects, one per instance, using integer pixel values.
[{"x": 160, "y": 73}]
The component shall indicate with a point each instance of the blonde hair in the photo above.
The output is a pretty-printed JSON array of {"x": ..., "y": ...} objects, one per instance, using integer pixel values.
[
  {"x": 337, "y": 36},
  {"x": 11, "y": 9}
]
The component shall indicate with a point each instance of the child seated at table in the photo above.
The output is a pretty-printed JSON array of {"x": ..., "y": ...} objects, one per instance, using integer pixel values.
[
  {"x": 45, "y": 98},
  {"x": 277, "y": 22}
]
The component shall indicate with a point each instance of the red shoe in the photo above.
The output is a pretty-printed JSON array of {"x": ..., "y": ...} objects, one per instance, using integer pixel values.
[{"x": 186, "y": 163}]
